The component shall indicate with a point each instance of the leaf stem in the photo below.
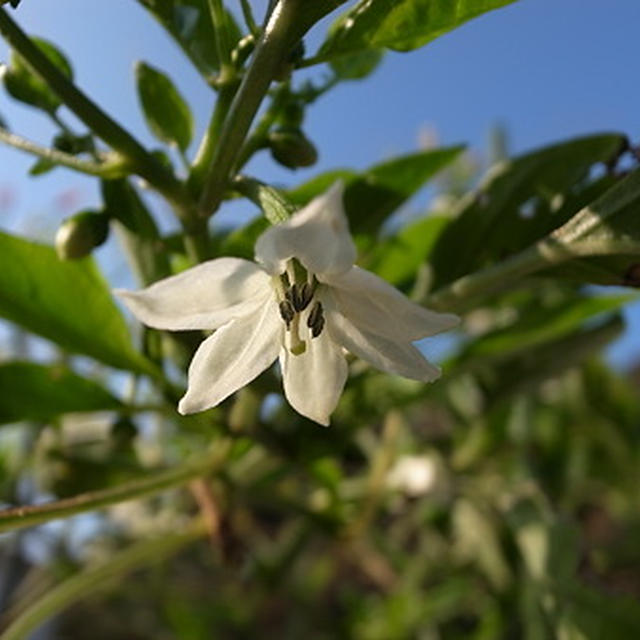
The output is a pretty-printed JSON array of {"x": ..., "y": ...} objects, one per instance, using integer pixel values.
[
  {"x": 113, "y": 167},
  {"x": 248, "y": 18},
  {"x": 99, "y": 578},
  {"x": 31, "y": 515},
  {"x": 464, "y": 292},
  {"x": 221, "y": 35}
]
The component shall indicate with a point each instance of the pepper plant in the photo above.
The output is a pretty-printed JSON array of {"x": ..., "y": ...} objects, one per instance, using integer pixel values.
[{"x": 491, "y": 495}]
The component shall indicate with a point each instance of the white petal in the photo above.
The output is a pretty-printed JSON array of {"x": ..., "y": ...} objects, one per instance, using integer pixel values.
[
  {"x": 400, "y": 358},
  {"x": 317, "y": 235},
  {"x": 313, "y": 380},
  {"x": 232, "y": 357},
  {"x": 374, "y": 305},
  {"x": 204, "y": 297}
]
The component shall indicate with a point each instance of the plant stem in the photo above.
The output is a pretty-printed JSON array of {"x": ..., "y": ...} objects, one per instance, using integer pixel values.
[
  {"x": 248, "y": 18},
  {"x": 221, "y": 35},
  {"x": 463, "y": 292},
  {"x": 99, "y": 578},
  {"x": 28, "y": 516},
  {"x": 114, "y": 167},
  {"x": 286, "y": 24}
]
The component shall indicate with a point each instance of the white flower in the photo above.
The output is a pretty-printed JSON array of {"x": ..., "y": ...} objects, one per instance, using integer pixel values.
[{"x": 304, "y": 303}]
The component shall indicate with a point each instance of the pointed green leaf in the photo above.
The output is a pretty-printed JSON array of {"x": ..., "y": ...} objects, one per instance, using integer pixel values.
[
  {"x": 167, "y": 114},
  {"x": 372, "y": 196},
  {"x": 66, "y": 302},
  {"x": 402, "y": 25},
  {"x": 495, "y": 222},
  {"x": 26, "y": 86},
  {"x": 189, "y": 23},
  {"x": 39, "y": 392}
]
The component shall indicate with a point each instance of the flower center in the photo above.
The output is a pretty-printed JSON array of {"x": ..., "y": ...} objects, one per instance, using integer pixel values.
[{"x": 296, "y": 289}]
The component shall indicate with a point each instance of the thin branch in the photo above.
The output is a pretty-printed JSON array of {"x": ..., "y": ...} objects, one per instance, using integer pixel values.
[
  {"x": 31, "y": 515},
  {"x": 113, "y": 167}
]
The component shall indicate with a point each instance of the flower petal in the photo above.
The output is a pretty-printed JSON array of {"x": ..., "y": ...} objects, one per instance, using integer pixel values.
[
  {"x": 232, "y": 357},
  {"x": 313, "y": 380},
  {"x": 400, "y": 358},
  {"x": 317, "y": 235},
  {"x": 204, "y": 297},
  {"x": 374, "y": 305}
]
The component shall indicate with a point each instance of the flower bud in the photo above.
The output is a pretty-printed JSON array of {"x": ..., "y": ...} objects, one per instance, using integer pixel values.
[
  {"x": 291, "y": 148},
  {"x": 243, "y": 50},
  {"x": 79, "y": 235}
]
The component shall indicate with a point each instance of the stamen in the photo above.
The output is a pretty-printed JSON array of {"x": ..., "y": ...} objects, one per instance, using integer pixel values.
[
  {"x": 315, "y": 320},
  {"x": 287, "y": 312}
]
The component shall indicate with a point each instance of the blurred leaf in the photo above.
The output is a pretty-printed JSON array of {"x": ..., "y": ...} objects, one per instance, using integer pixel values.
[
  {"x": 398, "y": 258},
  {"x": 26, "y": 86},
  {"x": 494, "y": 222},
  {"x": 189, "y": 23},
  {"x": 539, "y": 324},
  {"x": 166, "y": 112},
  {"x": 41, "y": 166},
  {"x": 371, "y": 196},
  {"x": 357, "y": 65},
  {"x": 66, "y": 302},
  {"x": 402, "y": 25},
  {"x": 241, "y": 242},
  {"x": 38, "y": 392},
  {"x": 146, "y": 252}
]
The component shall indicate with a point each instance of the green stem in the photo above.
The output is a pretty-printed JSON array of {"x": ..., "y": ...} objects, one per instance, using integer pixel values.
[
  {"x": 462, "y": 293},
  {"x": 221, "y": 35},
  {"x": 31, "y": 515},
  {"x": 100, "y": 578},
  {"x": 247, "y": 13},
  {"x": 286, "y": 25},
  {"x": 97, "y": 120},
  {"x": 114, "y": 167}
]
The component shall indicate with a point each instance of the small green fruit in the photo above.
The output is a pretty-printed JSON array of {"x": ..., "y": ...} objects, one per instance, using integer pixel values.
[{"x": 291, "y": 148}]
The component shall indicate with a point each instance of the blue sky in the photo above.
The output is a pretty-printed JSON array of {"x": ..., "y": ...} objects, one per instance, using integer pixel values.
[{"x": 546, "y": 69}]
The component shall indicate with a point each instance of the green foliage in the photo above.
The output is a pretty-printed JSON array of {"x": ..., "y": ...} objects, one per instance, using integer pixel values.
[
  {"x": 371, "y": 196},
  {"x": 500, "y": 502},
  {"x": 42, "y": 393},
  {"x": 402, "y": 26},
  {"x": 66, "y": 302},
  {"x": 168, "y": 115},
  {"x": 24, "y": 85},
  {"x": 189, "y": 23}
]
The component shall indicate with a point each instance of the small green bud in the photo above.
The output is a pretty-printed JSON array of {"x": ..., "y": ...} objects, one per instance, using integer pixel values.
[
  {"x": 74, "y": 145},
  {"x": 243, "y": 50},
  {"x": 79, "y": 235},
  {"x": 292, "y": 115},
  {"x": 291, "y": 148}
]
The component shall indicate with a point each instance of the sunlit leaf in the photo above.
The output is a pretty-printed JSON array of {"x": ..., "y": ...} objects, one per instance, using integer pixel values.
[
  {"x": 66, "y": 302},
  {"x": 401, "y": 25},
  {"x": 165, "y": 110}
]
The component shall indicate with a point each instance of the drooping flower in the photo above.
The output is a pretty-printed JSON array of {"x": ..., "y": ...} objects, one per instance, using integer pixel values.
[{"x": 304, "y": 302}]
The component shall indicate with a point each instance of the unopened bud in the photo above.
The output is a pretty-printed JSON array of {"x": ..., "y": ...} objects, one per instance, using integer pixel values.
[
  {"x": 243, "y": 50},
  {"x": 79, "y": 235},
  {"x": 291, "y": 148}
]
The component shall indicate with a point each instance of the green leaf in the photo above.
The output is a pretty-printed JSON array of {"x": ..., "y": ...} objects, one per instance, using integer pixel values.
[
  {"x": 137, "y": 230},
  {"x": 538, "y": 324},
  {"x": 189, "y": 23},
  {"x": 357, "y": 65},
  {"x": 402, "y": 25},
  {"x": 39, "y": 392},
  {"x": 26, "y": 86},
  {"x": 66, "y": 302},
  {"x": 398, "y": 258},
  {"x": 370, "y": 197},
  {"x": 495, "y": 222},
  {"x": 167, "y": 114}
]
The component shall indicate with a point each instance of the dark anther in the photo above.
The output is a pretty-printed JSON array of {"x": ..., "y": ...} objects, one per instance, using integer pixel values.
[
  {"x": 300, "y": 296},
  {"x": 315, "y": 321},
  {"x": 287, "y": 312},
  {"x": 632, "y": 276}
]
